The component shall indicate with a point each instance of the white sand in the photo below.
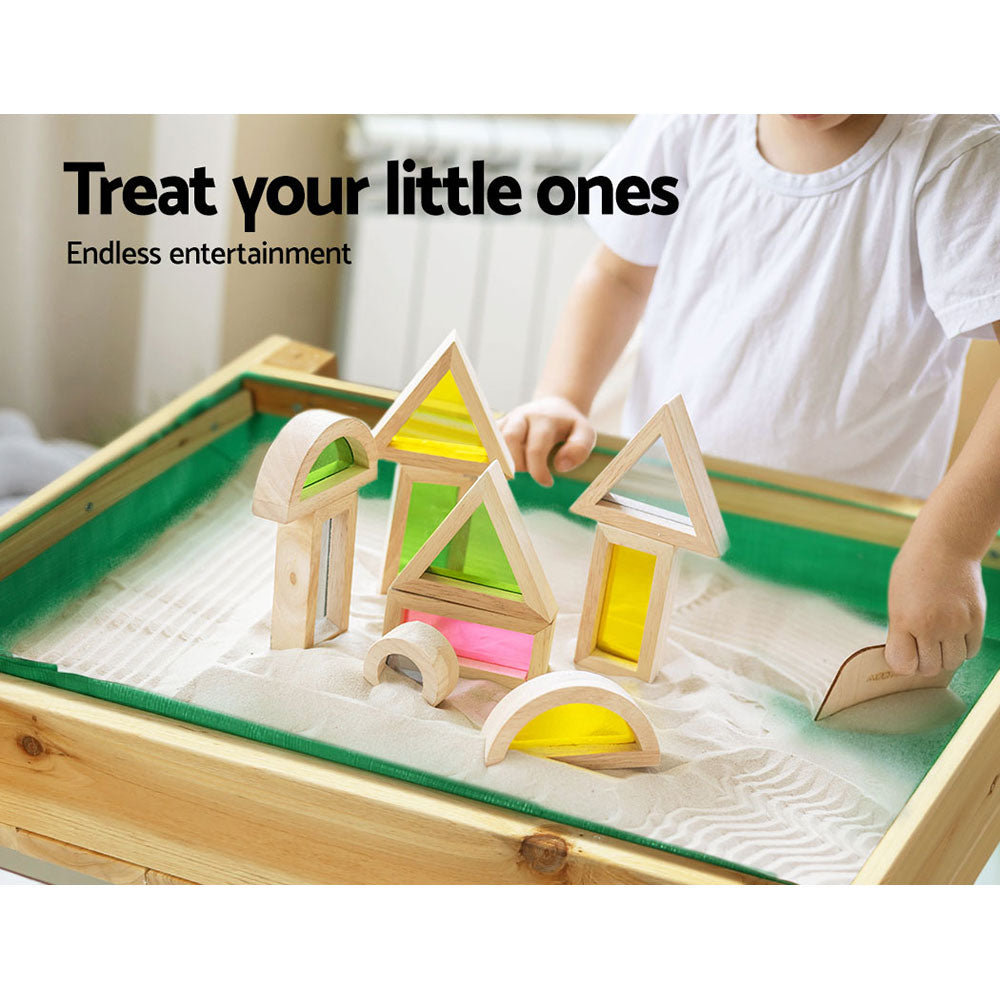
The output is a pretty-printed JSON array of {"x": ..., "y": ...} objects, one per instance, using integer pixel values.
[{"x": 745, "y": 776}]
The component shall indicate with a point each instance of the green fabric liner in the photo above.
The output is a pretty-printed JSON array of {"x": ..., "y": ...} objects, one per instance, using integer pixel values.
[
  {"x": 72, "y": 565},
  {"x": 205, "y": 403},
  {"x": 854, "y": 573}
]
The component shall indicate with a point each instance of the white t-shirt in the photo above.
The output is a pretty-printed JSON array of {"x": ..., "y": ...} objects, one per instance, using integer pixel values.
[{"x": 815, "y": 322}]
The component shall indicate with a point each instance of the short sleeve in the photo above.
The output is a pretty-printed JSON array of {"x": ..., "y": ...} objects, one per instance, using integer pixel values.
[
  {"x": 957, "y": 219},
  {"x": 652, "y": 146}
]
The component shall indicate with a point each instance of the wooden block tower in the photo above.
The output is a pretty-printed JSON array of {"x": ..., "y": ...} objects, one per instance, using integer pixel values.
[
  {"x": 308, "y": 483},
  {"x": 629, "y": 591},
  {"x": 494, "y": 603},
  {"x": 442, "y": 435}
]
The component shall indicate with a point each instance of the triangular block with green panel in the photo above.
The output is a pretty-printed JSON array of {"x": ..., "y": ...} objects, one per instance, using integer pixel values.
[{"x": 481, "y": 554}]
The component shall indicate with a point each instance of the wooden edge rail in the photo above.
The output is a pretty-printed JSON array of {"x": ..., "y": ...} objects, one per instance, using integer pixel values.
[
  {"x": 951, "y": 824},
  {"x": 79, "y": 859},
  {"x": 207, "y": 807},
  {"x": 116, "y": 484},
  {"x": 799, "y": 501},
  {"x": 764, "y": 494},
  {"x": 283, "y": 394},
  {"x": 277, "y": 353},
  {"x": 143, "y": 431},
  {"x": 371, "y": 402}
]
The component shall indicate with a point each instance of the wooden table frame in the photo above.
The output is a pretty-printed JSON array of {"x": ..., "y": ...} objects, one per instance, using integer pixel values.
[{"x": 131, "y": 797}]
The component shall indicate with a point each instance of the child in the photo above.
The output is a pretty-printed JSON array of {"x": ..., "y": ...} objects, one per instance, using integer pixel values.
[{"x": 811, "y": 299}]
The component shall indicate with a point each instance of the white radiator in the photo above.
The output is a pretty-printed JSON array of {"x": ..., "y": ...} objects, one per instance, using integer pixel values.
[{"x": 499, "y": 281}]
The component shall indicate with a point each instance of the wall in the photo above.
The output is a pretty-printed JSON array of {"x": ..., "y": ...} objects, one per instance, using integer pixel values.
[{"x": 87, "y": 350}]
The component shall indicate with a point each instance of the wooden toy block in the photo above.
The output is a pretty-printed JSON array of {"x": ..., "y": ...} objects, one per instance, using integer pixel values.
[
  {"x": 297, "y": 592},
  {"x": 505, "y": 649},
  {"x": 426, "y": 649},
  {"x": 626, "y": 605},
  {"x": 441, "y": 419},
  {"x": 296, "y": 572},
  {"x": 340, "y": 568},
  {"x": 491, "y": 492},
  {"x": 702, "y": 529},
  {"x": 308, "y": 483},
  {"x": 585, "y": 720},
  {"x": 441, "y": 433},
  {"x": 496, "y": 608},
  {"x": 633, "y": 568},
  {"x": 411, "y": 525},
  {"x": 865, "y": 675},
  {"x": 318, "y": 458}
]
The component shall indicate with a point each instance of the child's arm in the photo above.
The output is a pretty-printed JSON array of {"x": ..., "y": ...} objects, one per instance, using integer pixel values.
[
  {"x": 937, "y": 603},
  {"x": 604, "y": 307}
]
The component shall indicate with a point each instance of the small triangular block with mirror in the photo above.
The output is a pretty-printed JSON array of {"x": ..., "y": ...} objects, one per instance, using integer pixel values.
[{"x": 657, "y": 486}]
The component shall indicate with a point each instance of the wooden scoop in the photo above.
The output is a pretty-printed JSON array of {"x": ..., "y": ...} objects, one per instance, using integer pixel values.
[{"x": 865, "y": 675}]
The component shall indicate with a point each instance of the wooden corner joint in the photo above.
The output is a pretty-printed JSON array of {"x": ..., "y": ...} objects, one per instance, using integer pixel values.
[{"x": 307, "y": 358}]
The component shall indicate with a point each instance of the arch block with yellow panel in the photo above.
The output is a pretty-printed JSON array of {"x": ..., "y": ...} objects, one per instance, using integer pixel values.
[{"x": 583, "y": 719}]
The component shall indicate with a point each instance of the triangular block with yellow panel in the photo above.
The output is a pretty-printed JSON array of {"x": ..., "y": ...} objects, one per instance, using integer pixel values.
[
  {"x": 478, "y": 580},
  {"x": 652, "y": 498},
  {"x": 442, "y": 420},
  {"x": 441, "y": 434}
]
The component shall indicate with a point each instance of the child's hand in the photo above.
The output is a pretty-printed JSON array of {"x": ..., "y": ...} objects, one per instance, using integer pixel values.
[
  {"x": 937, "y": 606},
  {"x": 534, "y": 429}
]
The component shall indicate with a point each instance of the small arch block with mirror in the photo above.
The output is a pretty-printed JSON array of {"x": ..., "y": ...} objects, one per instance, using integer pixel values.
[{"x": 422, "y": 646}]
